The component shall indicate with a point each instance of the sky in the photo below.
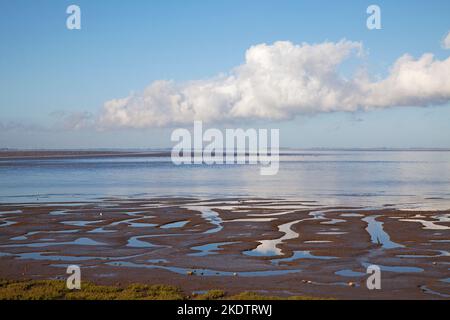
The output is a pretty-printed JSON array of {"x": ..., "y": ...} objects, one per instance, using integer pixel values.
[{"x": 138, "y": 69}]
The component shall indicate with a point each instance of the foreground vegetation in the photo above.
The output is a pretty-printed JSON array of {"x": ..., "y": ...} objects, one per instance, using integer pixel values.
[{"x": 56, "y": 290}]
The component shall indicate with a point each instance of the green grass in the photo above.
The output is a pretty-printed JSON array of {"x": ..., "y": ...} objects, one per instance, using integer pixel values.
[
  {"x": 211, "y": 295},
  {"x": 56, "y": 290},
  {"x": 254, "y": 296}
]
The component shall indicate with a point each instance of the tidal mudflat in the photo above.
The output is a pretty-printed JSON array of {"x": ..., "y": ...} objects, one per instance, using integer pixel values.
[{"x": 280, "y": 247}]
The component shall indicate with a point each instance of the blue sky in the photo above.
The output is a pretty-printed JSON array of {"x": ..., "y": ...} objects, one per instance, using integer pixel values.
[{"x": 46, "y": 69}]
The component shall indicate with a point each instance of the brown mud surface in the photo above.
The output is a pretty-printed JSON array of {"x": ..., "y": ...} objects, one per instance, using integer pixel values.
[{"x": 269, "y": 246}]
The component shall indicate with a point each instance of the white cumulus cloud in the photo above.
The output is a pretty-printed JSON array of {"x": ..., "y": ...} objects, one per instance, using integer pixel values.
[
  {"x": 446, "y": 41},
  {"x": 281, "y": 81}
]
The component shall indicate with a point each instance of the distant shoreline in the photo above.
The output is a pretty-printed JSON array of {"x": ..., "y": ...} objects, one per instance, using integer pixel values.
[{"x": 21, "y": 154}]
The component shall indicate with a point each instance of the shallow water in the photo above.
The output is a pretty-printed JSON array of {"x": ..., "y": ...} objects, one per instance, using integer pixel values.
[
  {"x": 209, "y": 249},
  {"x": 408, "y": 178},
  {"x": 316, "y": 180},
  {"x": 77, "y": 242},
  {"x": 427, "y": 290},
  {"x": 427, "y": 225},
  {"x": 297, "y": 255},
  {"x": 352, "y": 215},
  {"x": 209, "y": 215},
  {"x": 398, "y": 269},
  {"x": 80, "y": 223},
  {"x": 269, "y": 247},
  {"x": 438, "y": 253},
  {"x": 6, "y": 223},
  {"x": 349, "y": 273},
  {"x": 136, "y": 242},
  {"x": 206, "y": 272},
  {"x": 178, "y": 224},
  {"x": 377, "y": 233}
]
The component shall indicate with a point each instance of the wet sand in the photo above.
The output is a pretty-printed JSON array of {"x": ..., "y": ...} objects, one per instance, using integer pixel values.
[{"x": 270, "y": 246}]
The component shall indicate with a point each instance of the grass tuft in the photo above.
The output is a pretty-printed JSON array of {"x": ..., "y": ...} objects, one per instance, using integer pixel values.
[{"x": 56, "y": 290}]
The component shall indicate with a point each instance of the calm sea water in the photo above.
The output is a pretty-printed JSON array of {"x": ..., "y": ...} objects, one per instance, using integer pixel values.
[{"x": 410, "y": 179}]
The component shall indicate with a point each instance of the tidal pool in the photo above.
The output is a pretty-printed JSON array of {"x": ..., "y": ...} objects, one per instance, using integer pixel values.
[
  {"x": 378, "y": 235},
  {"x": 269, "y": 247}
]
